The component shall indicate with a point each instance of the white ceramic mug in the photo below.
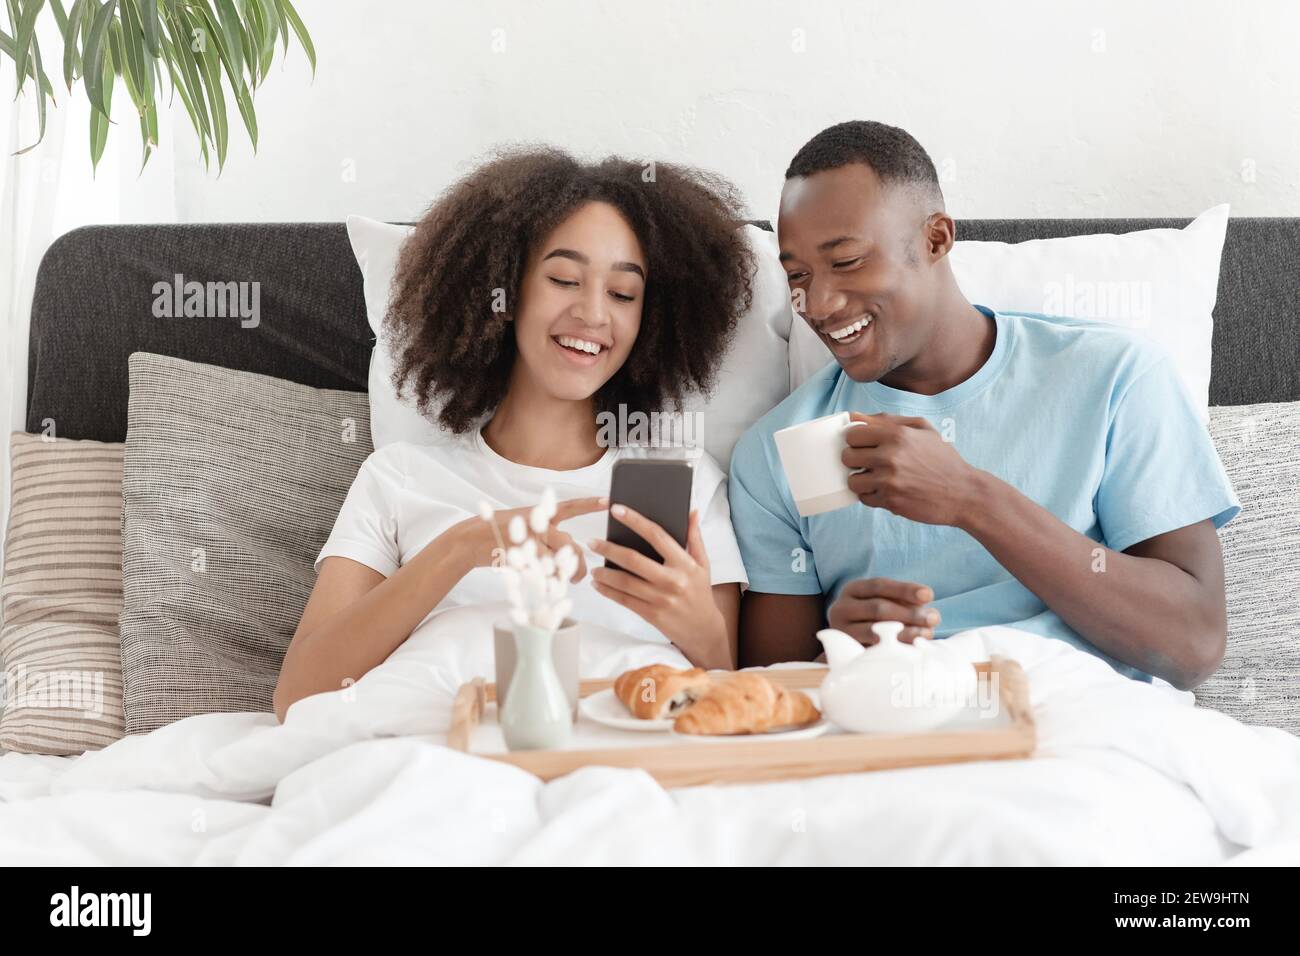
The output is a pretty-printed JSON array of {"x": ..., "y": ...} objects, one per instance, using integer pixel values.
[
  {"x": 565, "y": 649},
  {"x": 811, "y": 455}
]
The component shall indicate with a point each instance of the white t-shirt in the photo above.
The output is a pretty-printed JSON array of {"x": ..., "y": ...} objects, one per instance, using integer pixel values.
[{"x": 405, "y": 495}]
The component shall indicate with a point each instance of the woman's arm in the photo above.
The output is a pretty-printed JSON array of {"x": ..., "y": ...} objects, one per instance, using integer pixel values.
[{"x": 356, "y": 617}]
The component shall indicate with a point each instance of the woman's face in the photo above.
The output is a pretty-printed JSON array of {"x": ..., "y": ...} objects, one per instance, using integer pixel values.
[{"x": 580, "y": 303}]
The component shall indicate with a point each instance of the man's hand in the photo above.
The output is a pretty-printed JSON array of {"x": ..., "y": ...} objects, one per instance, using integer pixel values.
[
  {"x": 869, "y": 600},
  {"x": 906, "y": 467}
]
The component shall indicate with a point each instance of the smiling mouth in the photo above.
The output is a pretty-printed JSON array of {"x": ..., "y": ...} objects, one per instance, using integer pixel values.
[
  {"x": 847, "y": 334},
  {"x": 579, "y": 350}
]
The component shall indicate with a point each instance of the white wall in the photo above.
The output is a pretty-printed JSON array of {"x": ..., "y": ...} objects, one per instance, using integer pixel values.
[{"x": 1029, "y": 109}]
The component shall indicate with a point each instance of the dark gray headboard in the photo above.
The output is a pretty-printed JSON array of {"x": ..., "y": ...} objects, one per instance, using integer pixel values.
[
  {"x": 94, "y": 299},
  {"x": 93, "y": 307}
]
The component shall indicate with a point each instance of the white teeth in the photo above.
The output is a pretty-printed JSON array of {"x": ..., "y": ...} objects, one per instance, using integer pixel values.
[
  {"x": 582, "y": 345},
  {"x": 848, "y": 330}
]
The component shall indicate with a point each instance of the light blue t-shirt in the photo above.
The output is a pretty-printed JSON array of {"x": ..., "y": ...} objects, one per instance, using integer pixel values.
[{"x": 1089, "y": 420}]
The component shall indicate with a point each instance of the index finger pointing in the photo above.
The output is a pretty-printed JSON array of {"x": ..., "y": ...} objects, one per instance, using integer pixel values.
[{"x": 578, "y": 506}]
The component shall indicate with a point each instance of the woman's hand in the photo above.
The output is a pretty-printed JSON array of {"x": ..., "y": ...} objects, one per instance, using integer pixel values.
[
  {"x": 676, "y": 596},
  {"x": 479, "y": 546}
]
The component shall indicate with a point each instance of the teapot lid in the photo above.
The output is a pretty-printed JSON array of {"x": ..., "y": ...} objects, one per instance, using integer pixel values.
[{"x": 887, "y": 631}]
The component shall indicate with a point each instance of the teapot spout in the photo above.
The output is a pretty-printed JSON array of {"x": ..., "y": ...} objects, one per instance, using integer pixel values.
[{"x": 840, "y": 647}]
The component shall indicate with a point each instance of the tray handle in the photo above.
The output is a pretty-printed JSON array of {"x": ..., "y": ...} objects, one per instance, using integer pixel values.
[{"x": 466, "y": 712}]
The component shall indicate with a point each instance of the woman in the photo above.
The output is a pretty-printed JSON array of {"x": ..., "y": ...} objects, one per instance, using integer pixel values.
[{"x": 537, "y": 293}]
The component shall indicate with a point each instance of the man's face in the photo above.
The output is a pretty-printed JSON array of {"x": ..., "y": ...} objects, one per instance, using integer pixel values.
[{"x": 856, "y": 256}]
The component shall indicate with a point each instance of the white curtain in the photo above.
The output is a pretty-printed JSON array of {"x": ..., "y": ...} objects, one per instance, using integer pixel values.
[
  {"x": 28, "y": 196},
  {"x": 52, "y": 189},
  {"x": 27, "y": 204}
]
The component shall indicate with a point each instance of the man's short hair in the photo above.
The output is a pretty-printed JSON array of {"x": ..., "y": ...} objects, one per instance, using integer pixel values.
[{"x": 892, "y": 153}]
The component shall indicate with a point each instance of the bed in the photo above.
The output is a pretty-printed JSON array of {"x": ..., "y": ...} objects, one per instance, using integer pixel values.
[{"x": 1124, "y": 773}]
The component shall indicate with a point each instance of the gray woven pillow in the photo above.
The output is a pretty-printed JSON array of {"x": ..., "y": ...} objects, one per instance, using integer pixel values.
[
  {"x": 1259, "y": 682},
  {"x": 231, "y": 482}
]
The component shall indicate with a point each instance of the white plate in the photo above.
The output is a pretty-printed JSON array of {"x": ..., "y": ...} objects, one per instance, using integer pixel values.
[
  {"x": 604, "y": 708},
  {"x": 799, "y": 733}
]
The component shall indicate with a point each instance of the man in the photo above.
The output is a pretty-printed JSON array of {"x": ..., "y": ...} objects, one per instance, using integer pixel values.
[{"x": 1049, "y": 474}]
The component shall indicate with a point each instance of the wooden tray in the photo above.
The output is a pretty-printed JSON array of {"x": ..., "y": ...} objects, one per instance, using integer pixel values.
[{"x": 678, "y": 763}]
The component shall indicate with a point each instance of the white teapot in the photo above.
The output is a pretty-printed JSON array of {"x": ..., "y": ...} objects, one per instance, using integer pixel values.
[{"x": 892, "y": 687}]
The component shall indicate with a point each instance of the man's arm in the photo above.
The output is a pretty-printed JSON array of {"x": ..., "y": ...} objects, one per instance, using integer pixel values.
[
  {"x": 1159, "y": 605},
  {"x": 779, "y": 627}
]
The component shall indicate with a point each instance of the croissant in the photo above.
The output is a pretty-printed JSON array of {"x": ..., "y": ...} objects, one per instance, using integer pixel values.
[
  {"x": 659, "y": 691},
  {"x": 747, "y": 704}
]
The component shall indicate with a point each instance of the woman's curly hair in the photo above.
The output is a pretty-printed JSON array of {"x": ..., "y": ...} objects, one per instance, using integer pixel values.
[{"x": 455, "y": 352}]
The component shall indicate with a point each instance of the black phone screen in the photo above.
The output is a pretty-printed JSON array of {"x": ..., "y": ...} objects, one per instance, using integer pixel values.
[{"x": 659, "y": 489}]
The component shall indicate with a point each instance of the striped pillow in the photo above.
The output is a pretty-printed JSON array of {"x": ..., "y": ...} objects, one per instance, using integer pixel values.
[{"x": 61, "y": 596}]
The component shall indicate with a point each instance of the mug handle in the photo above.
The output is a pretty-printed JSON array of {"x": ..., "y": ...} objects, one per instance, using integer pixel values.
[{"x": 851, "y": 424}]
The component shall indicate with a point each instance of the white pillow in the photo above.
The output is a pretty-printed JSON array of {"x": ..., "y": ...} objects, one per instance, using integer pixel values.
[
  {"x": 376, "y": 245},
  {"x": 1161, "y": 281},
  {"x": 754, "y": 375},
  {"x": 755, "y": 371}
]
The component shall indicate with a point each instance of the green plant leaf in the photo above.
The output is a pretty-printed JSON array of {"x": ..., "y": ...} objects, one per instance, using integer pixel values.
[
  {"x": 300, "y": 31},
  {"x": 248, "y": 39},
  {"x": 93, "y": 57},
  {"x": 99, "y": 120},
  {"x": 147, "y": 42},
  {"x": 232, "y": 50},
  {"x": 284, "y": 25},
  {"x": 272, "y": 24},
  {"x": 209, "y": 63},
  {"x": 71, "y": 58},
  {"x": 87, "y": 18},
  {"x": 44, "y": 89},
  {"x": 42, "y": 85},
  {"x": 151, "y": 24},
  {"x": 239, "y": 89},
  {"x": 115, "y": 54},
  {"x": 138, "y": 64},
  {"x": 184, "y": 58},
  {"x": 7, "y": 46},
  {"x": 148, "y": 134},
  {"x": 257, "y": 35},
  {"x": 179, "y": 86},
  {"x": 24, "y": 32}
]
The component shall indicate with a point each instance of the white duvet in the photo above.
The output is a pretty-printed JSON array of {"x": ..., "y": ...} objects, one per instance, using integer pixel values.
[{"x": 1125, "y": 773}]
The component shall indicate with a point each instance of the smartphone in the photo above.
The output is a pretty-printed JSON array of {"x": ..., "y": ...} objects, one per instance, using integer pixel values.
[{"x": 659, "y": 489}]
